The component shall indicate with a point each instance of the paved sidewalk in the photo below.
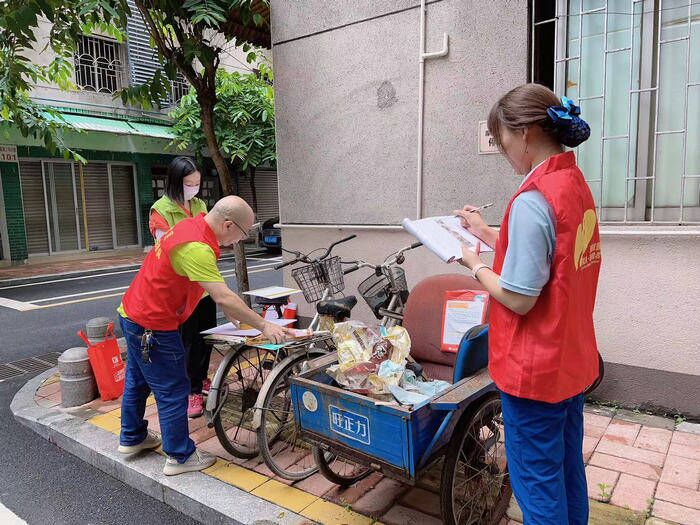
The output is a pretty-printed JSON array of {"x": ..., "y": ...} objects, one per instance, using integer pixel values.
[
  {"x": 80, "y": 264},
  {"x": 641, "y": 469}
]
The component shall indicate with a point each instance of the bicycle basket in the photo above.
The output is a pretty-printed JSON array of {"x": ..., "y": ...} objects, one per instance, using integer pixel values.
[
  {"x": 376, "y": 289},
  {"x": 314, "y": 278}
]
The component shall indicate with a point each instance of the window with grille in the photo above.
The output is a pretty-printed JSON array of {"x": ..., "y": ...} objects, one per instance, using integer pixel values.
[
  {"x": 99, "y": 65},
  {"x": 634, "y": 68},
  {"x": 180, "y": 88}
]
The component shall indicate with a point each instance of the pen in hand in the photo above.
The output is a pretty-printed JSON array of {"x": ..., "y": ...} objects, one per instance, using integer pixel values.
[
  {"x": 477, "y": 209},
  {"x": 481, "y": 207}
]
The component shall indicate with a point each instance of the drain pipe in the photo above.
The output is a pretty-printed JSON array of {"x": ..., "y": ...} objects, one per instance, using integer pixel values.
[{"x": 422, "y": 57}]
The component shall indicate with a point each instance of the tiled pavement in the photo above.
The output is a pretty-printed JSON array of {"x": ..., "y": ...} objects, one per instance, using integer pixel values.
[
  {"x": 83, "y": 262},
  {"x": 640, "y": 469}
]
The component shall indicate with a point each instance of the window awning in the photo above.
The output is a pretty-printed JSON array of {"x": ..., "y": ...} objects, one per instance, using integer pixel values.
[{"x": 120, "y": 127}]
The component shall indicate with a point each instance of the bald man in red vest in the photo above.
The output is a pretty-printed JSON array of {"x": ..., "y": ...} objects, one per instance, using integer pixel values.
[{"x": 174, "y": 275}]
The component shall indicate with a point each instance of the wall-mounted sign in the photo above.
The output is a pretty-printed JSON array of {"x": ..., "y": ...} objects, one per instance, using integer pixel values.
[
  {"x": 8, "y": 153},
  {"x": 486, "y": 142}
]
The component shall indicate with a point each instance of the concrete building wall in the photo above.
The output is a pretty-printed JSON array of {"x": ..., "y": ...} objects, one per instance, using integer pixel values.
[{"x": 346, "y": 84}]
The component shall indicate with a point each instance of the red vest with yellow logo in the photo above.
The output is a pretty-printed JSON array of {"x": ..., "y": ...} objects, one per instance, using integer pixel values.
[
  {"x": 159, "y": 298},
  {"x": 550, "y": 354}
]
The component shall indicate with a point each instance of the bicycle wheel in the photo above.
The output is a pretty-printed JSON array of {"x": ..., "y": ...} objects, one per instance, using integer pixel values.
[
  {"x": 241, "y": 383},
  {"x": 339, "y": 470},
  {"x": 278, "y": 440},
  {"x": 475, "y": 488}
]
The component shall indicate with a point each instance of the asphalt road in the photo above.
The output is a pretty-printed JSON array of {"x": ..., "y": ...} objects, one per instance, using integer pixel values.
[
  {"x": 44, "y": 317},
  {"x": 38, "y": 481}
]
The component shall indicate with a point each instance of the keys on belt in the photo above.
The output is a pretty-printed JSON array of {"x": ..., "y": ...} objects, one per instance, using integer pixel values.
[{"x": 147, "y": 342}]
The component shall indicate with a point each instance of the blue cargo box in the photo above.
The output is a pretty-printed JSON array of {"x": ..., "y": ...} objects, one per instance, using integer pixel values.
[{"x": 388, "y": 437}]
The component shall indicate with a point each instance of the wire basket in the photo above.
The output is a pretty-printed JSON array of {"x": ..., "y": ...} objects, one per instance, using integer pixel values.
[
  {"x": 376, "y": 289},
  {"x": 313, "y": 279}
]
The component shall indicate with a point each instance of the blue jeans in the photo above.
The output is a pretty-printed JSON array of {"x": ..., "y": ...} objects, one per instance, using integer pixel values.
[
  {"x": 166, "y": 377},
  {"x": 545, "y": 462}
]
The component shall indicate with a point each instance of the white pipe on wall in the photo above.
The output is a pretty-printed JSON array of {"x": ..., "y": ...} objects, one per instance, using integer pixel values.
[{"x": 422, "y": 57}]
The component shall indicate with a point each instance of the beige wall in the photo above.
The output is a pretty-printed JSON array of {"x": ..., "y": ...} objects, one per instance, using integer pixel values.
[{"x": 347, "y": 112}]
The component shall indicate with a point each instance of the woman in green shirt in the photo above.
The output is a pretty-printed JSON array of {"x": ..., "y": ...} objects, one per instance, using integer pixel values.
[{"x": 179, "y": 203}]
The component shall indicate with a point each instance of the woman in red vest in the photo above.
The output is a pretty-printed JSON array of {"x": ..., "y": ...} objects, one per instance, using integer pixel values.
[{"x": 542, "y": 346}]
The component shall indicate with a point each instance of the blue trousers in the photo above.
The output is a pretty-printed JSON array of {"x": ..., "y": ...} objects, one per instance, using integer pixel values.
[
  {"x": 543, "y": 448},
  {"x": 166, "y": 377}
]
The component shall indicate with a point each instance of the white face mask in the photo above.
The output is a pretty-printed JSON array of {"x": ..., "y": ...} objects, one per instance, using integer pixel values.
[{"x": 190, "y": 191}]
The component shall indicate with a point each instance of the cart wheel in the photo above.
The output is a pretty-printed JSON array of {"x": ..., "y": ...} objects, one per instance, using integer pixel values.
[
  {"x": 475, "y": 483},
  {"x": 599, "y": 379},
  {"x": 242, "y": 380},
  {"x": 283, "y": 450},
  {"x": 339, "y": 470}
]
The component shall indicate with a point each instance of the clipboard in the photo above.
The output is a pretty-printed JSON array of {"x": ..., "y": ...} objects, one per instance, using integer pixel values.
[{"x": 462, "y": 310}]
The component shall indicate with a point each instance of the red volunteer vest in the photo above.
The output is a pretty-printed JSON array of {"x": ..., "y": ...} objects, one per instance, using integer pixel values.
[
  {"x": 159, "y": 298},
  {"x": 550, "y": 354}
]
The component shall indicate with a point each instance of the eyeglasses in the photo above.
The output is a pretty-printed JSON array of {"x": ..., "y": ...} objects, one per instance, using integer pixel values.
[{"x": 245, "y": 233}]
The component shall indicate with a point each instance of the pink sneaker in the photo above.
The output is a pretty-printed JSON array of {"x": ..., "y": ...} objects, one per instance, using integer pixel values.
[
  {"x": 196, "y": 406},
  {"x": 206, "y": 385}
]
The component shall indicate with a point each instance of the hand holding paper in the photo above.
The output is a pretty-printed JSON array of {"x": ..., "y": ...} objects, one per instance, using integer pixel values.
[{"x": 444, "y": 236}]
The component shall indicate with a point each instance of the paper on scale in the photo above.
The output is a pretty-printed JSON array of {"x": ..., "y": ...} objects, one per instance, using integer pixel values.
[
  {"x": 444, "y": 236},
  {"x": 233, "y": 329},
  {"x": 272, "y": 292}
]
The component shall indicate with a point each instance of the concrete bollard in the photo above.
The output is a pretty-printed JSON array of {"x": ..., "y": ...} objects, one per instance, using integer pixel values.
[
  {"x": 96, "y": 329},
  {"x": 77, "y": 380}
]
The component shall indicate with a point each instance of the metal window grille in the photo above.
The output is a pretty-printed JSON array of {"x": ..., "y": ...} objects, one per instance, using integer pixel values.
[
  {"x": 99, "y": 65},
  {"x": 180, "y": 88},
  {"x": 647, "y": 86}
]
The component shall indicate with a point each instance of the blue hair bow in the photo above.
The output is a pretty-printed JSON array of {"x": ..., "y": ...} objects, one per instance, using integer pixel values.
[{"x": 565, "y": 112}]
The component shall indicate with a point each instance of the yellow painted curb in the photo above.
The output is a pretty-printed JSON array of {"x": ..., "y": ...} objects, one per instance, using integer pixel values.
[
  {"x": 331, "y": 514},
  {"x": 238, "y": 476},
  {"x": 289, "y": 497},
  {"x": 106, "y": 422}
]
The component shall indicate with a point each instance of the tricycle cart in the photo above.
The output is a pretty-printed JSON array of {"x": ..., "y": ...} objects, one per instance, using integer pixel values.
[{"x": 355, "y": 434}]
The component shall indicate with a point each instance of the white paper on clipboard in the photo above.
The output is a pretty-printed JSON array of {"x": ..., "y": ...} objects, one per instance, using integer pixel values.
[{"x": 464, "y": 309}]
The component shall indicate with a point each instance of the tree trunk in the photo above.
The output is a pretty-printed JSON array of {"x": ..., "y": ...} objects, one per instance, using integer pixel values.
[
  {"x": 206, "y": 103},
  {"x": 253, "y": 192}
]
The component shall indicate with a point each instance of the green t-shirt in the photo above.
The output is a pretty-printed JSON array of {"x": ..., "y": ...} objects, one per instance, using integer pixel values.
[{"x": 194, "y": 260}]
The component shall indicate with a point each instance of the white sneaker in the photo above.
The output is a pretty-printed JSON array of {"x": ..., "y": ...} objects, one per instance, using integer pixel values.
[
  {"x": 199, "y": 460},
  {"x": 150, "y": 442}
]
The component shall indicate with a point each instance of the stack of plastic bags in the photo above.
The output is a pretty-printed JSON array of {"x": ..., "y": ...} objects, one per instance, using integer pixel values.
[{"x": 373, "y": 361}]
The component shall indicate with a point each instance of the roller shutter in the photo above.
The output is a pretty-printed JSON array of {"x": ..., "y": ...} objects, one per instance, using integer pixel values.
[
  {"x": 124, "y": 205},
  {"x": 266, "y": 191},
  {"x": 34, "y": 206},
  {"x": 99, "y": 218}
]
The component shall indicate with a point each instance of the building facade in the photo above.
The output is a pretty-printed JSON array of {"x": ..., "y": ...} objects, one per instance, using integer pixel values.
[
  {"x": 52, "y": 206},
  {"x": 369, "y": 136}
]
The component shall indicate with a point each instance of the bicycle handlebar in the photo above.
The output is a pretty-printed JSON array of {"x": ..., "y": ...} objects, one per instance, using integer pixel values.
[
  {"x": 351, "y": 269},
  {"x": 282, "y": 265},
  {"x": 336, "y": 243},
  {"x": 300, "y": 257}
]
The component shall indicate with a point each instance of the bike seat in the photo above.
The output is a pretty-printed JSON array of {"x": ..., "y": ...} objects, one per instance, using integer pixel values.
[{"x": 337, "y": 308}]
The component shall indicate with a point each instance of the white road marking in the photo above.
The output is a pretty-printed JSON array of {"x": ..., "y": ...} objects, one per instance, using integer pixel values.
[
  {"x": 67, "y": 279},
  {"x": 105, "y": 275},
  {"x": 31, "y": 306},
  {"x": 16, "y": 305},
  {"x": 7, "y": 517}
]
